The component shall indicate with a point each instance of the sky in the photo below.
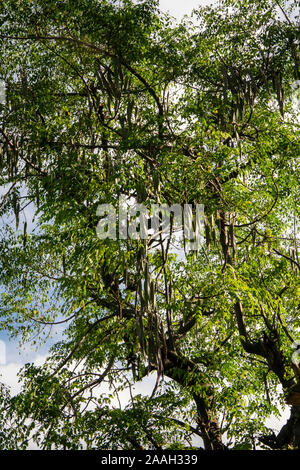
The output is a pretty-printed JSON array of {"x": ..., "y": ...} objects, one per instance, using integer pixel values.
[
  {"x": 179, "y": 8},
  {"x": 16, "y": 357}
]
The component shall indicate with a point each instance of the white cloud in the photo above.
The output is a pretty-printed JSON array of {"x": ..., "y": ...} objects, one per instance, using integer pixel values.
[
  {"x": 10, "y": 378},
  {"x": 9, "y": 374}
]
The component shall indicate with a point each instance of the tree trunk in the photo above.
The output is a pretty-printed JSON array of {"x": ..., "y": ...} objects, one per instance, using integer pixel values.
[
  {"x": 289, "y": 435},
  {"x": 187, "y": 374}
]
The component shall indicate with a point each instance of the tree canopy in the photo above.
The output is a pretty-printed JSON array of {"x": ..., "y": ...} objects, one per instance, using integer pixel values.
[{"x": 108, "y": 99}]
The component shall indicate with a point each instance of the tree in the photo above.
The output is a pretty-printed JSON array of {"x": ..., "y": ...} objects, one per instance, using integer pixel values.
[{"x": 110, "y": 99}]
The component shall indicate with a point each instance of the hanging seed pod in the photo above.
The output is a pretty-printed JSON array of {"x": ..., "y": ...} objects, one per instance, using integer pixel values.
[
  {"x": 108, "y": 101},
  {"x": 126, "y": 83},
  {"x": 253, "y": 233},
  {"x": 225, "y": 82},
  {"x": 113, "y": 85},
  {"x": 207, "y": 230},
  {"x": 293, "y": 262},
  {"x": 24, "y": 235},
  {"x": 118, "y": 75},
  {"x": 213, "y": 229},
  {"x": 153, "y": 296},
  {"x": 140, "y": 332},
  {"x": 64, "y": 264},
  {"x": 153, "y": 341},
  {"x": 16, "y": 208},
  {"x": 234, "y": 116},
  {"x": 147, "y": 287},
  {"x": 139, "y": 319},
  {"x": 279, "y": 90},
  {"x": 232, "y": 238},
  {"x": 5, "y": 149},
  {"x": 27, "y": 167},
  {"x": 105, "y": 85},
  {"x": 156, "y": 181},
  {"x": 129, "y": 112},
  {"x": 37, "y": 198}
]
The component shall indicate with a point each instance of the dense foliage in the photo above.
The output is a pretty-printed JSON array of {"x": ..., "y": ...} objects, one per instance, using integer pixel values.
[{"x": 108, "y": 99}]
